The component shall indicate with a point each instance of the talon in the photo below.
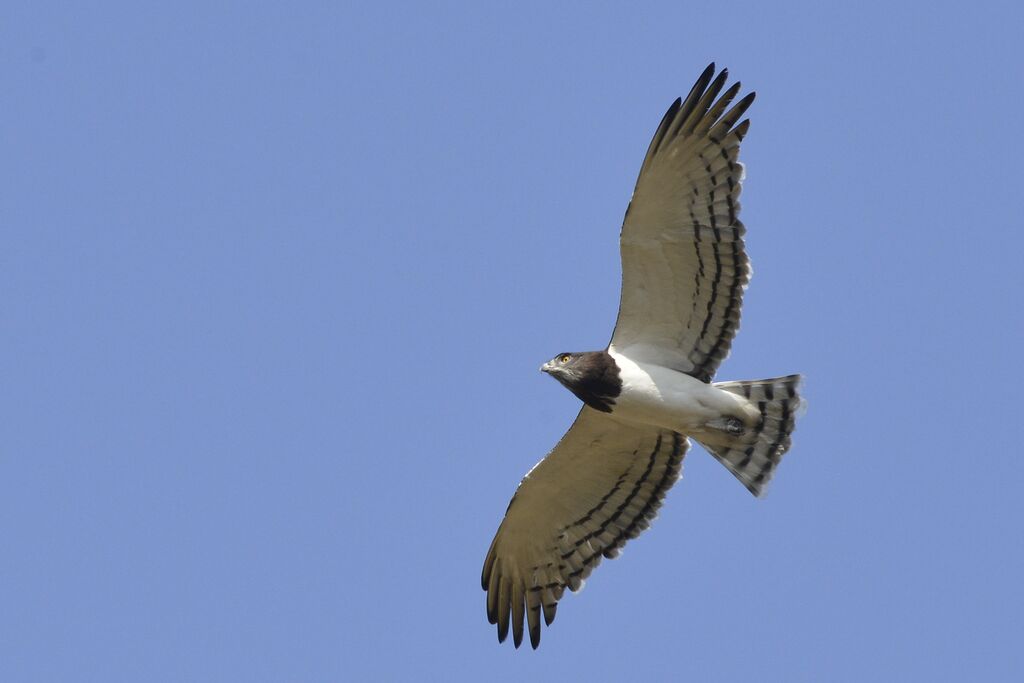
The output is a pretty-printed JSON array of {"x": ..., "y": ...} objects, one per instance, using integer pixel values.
[{"x": 734, "y": 425}]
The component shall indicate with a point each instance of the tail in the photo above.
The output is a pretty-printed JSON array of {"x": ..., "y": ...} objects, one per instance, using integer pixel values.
[{"x": 753, "y": 454}]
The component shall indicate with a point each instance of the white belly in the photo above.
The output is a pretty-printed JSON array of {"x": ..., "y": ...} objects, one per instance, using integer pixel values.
[{"x": 656, "y": 395}]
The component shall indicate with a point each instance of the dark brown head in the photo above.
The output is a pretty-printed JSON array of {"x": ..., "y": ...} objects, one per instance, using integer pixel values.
[{"x": 592, "y": 375}]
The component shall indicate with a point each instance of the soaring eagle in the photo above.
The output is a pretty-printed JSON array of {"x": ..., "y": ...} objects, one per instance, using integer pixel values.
[{"x": 684, "y": 270}]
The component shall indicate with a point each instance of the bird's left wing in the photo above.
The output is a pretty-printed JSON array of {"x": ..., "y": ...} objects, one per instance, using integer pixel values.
[
  {"x": 600, "y": 486},
  {"x": 684, "y": 267}
]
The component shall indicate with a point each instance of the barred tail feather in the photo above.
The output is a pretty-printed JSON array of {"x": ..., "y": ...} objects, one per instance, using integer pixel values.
[{"x": 753, "y": 456}]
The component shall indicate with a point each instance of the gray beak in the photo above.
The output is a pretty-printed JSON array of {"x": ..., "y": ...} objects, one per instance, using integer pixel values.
[{"x": 546, "y": 367}]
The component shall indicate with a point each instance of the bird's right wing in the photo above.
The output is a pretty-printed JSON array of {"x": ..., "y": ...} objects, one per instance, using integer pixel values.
[{"x": 600, "y": 486}]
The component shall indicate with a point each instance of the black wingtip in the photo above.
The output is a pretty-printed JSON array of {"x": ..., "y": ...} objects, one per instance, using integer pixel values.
[
  {"x": 716, "y": 85},
  {"x": 670, "y": 113},
  {"x": 549, "y": 613},
  {"x": 535, "y": 637},
  {"x": 741, "y": 107},
  {"x": 699, "y": 86}
]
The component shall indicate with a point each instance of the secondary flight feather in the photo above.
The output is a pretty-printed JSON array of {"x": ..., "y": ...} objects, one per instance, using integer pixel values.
[{"x": 684, "y": 271}]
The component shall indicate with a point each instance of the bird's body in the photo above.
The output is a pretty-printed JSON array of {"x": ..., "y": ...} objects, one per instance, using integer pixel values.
[
  {"x": 684, "y": 271},
  {"x": 663, "y": 397}
]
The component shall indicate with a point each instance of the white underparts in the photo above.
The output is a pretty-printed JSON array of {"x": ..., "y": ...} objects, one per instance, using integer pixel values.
[{"x": 663, "y": 397}]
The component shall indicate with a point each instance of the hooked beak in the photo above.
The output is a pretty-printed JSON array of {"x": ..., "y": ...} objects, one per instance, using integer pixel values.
[{"x": 547, "y": 367}]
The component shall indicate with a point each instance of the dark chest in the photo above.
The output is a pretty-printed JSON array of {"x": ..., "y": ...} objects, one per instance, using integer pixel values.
[{"x": 596, "y": 381}]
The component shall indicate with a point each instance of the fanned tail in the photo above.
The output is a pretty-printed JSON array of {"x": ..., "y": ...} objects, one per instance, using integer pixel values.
[{"x": 753, "y": 455}]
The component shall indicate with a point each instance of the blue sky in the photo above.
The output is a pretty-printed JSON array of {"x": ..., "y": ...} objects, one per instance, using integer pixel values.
[{"x": 277, "y": 283}]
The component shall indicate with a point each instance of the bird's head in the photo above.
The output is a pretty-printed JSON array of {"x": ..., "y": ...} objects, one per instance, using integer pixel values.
[
  {"x": 563, "y": 367},
  {"x": 592, "y": 375}
]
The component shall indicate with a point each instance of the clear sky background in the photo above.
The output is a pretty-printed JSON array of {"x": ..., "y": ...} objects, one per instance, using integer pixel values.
[{"x": 276, "y": 284}]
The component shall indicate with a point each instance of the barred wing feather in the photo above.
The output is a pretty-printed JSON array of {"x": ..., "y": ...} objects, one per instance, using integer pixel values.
[
  {"x": 684, "y": 266},
  {"x": 600, "y": 486}
]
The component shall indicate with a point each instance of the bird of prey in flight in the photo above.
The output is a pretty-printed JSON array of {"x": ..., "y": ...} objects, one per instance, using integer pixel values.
[{"x": 684, "y": 270}]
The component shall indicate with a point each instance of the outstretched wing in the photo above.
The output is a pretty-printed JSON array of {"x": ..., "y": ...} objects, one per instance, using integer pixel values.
[
  {"x": 600, "y": 486},
  {"x": 684, "y": 267}
]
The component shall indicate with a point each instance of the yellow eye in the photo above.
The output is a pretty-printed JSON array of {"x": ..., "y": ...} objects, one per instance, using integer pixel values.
[{"x": 564, "y": 359}]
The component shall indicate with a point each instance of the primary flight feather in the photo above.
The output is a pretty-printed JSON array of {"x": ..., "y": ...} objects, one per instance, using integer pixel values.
[{"x": 684, "y": 271}]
